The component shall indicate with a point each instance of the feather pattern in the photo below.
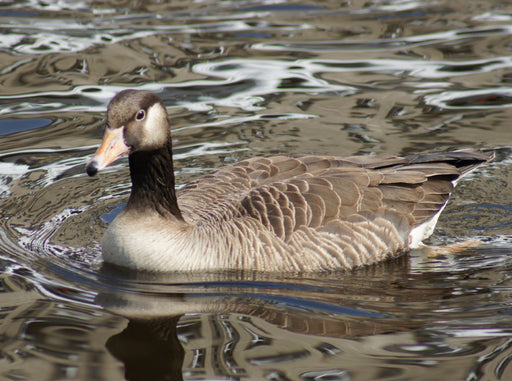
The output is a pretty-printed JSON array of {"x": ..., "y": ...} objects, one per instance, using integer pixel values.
[{"x": 314, "y": 212}]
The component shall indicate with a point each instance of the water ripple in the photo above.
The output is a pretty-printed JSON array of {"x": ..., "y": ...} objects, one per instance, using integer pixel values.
[
  {"x": 42, "y": 37},
  {"x": 471, "y": 99},
  {"x": 385, "y": 44},
  {"x": 247, "y": 82}
]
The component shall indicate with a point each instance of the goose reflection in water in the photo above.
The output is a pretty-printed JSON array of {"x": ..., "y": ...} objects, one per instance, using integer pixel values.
[{"x": 236, "y": 328}]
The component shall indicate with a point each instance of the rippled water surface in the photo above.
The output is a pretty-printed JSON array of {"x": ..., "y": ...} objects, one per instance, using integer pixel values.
[{"x": 240, "y": 79}]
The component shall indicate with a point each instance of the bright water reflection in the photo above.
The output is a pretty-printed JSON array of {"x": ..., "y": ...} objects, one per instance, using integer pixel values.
[{"x": 242, "y": 79}]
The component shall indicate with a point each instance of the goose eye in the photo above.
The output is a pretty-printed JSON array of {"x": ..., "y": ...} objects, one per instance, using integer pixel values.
[{"x": 140, "y": 115}]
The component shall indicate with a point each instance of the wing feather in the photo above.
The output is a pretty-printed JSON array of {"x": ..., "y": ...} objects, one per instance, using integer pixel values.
[{"x": 342, "y": 211}]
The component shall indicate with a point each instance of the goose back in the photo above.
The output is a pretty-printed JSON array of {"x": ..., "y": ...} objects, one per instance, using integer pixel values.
[{"x": 303, "y": 212}]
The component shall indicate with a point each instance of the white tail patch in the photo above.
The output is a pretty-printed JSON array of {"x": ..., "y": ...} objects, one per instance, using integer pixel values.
[{"x": 425, "y": 230}]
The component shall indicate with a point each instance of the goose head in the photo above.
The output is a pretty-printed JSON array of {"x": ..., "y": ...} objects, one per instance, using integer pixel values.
[{"x": 137, "y": 121}]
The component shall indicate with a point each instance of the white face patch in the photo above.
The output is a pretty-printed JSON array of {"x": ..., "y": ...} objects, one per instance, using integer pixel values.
[{"x": 155, "y": 128}]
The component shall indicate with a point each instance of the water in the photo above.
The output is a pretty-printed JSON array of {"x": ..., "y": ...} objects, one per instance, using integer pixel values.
[{"x": 242, "y": 79}]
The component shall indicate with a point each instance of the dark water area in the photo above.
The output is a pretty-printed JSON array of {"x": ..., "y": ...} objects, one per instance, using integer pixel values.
[{"x": 243, "y": 79}]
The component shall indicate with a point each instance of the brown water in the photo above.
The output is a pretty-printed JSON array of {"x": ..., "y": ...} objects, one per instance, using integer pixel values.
[{"x": 246, "y": 78}]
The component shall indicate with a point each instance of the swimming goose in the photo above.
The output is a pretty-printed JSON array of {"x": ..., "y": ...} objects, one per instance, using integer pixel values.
[{"x": 274, "y": 213}]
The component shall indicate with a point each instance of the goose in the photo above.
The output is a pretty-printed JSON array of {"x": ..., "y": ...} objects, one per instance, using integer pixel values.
[{"x": 287, "y": 212}]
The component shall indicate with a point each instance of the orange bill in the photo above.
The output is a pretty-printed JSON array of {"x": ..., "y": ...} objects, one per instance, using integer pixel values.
[{"x": 111, "y": 148}]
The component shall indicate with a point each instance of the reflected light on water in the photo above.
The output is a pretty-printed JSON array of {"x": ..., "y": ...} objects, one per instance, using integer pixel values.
[{"x": 240, "y": 80}]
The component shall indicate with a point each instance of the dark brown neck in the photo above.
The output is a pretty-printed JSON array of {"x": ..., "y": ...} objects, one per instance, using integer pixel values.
[{"x": 152, "y": 176}]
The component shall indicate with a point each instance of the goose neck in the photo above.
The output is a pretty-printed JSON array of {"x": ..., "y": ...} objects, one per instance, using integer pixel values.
[{"x": 153, "y": 184}]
